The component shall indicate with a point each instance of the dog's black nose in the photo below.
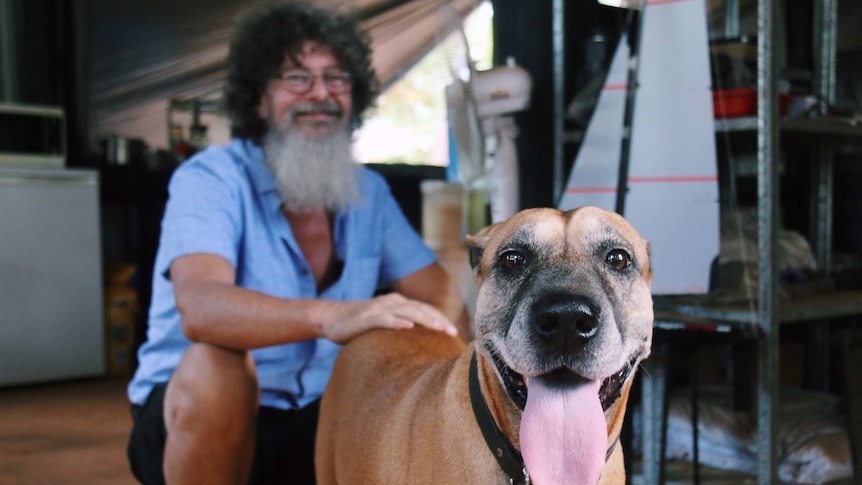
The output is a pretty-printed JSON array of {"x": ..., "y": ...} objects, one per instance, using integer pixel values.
[{"x": 565, "y": 322}]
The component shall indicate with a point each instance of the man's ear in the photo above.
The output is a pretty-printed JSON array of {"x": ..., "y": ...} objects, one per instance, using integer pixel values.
[{"x": 264, "y": 104}]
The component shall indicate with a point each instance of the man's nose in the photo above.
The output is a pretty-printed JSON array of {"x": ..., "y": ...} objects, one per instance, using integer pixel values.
[{"x": 318, "y": 89}]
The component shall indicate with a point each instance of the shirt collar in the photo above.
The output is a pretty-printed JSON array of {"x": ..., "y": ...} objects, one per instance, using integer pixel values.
[{"x": 260, "y": 173}]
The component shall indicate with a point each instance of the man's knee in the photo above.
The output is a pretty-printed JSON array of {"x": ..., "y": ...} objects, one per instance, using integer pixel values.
[{"x": 211, "y": 388}]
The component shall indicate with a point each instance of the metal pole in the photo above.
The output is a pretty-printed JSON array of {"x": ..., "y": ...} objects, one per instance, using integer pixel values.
[
  {"x": 825, "y": 51},
  {"x": 767, "y": 188},
  {"x": 653, "y": 397},
  {"x": 559, "y": 95},
  {"x": 8, "y": 47},
  {"x": 825, "y": 47},
  {"x": 731, "y": 19},
  {"x": 635, "y": 26}
]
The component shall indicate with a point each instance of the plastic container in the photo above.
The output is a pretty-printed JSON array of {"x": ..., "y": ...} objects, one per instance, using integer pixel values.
[
  {"x": 734, "y": 103},
  {"x": 441, "y": 213}
]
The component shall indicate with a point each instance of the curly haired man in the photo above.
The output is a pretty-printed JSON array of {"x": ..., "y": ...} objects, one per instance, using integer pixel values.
[{"x": 272, "y": 253}]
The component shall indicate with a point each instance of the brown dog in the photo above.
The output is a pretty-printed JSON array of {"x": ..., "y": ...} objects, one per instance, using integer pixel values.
[{"x": 563, "y": 317}]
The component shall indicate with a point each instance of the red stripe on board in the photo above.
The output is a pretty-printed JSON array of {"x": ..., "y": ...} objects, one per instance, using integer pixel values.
[
  {"x": 689, "y": 178},
  {"x": 615, "y": 87},
  {"x": 643, "y": 180}
]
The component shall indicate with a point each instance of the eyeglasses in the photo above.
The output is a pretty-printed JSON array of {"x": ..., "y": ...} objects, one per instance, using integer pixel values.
[{"x": 299, "y": 81}]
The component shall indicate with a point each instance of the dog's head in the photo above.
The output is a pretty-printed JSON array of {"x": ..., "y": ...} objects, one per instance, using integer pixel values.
[{"x": 564, "y": 310}]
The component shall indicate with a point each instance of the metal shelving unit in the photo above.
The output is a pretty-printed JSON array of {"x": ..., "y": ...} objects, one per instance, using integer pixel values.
[
  {"x": 832, "y": 126},
  {"x": 739, "y": 315},
  {"x": 762, "y": 318}
]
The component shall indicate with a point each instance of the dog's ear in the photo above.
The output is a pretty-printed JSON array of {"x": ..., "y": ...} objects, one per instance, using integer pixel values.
[
  {"x": 648, "y": 266},
  {"x": 475, "y": 247}
]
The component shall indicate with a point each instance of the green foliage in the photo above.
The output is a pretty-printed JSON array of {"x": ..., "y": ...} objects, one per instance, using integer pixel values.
[{"x": 409, "y": 123}]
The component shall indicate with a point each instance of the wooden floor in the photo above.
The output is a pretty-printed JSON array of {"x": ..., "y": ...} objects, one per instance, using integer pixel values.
[
  {"x": 65, "y": 434},
  {"x": 75, "y": 433}
]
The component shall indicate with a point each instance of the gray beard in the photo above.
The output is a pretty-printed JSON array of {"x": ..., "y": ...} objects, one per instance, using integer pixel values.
[{"x": 312, "y": 173}]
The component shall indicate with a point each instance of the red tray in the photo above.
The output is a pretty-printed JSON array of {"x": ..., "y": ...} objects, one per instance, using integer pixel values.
[{"x": 733, "y": 103}]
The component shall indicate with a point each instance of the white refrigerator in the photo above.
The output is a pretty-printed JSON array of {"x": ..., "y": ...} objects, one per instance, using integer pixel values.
[{"x": 51, "y": 296}]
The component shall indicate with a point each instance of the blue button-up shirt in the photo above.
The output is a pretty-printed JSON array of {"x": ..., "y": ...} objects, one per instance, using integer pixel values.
[{"x": 224, "y": 202}]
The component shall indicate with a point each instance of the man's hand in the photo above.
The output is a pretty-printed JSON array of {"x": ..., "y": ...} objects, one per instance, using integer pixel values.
[
  {"x": 341, "y": 321},
  {"x": 215, "y": 311}
]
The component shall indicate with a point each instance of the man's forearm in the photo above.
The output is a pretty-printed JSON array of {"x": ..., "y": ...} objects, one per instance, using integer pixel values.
[{"x": 238, "y": 318}]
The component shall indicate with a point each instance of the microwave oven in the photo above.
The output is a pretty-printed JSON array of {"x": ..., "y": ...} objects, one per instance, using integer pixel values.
[{"x": 32, "y": 136}]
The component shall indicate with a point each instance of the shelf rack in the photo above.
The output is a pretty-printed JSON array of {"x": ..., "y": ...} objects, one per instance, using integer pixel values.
[
  {"x": 821, "y": 125},
  {"x": 765, "y": 316},
  {"x": 195, "y": 108},
  {"x": 737, "y": 314},
  {"x": 760, "y": 319}
]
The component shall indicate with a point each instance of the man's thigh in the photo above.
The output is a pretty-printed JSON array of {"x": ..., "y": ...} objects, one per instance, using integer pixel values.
[{"x": 284, "y": 453}]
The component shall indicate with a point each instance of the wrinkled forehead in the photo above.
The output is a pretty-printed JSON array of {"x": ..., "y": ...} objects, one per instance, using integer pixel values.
[
  {"x": 582, "y": 228},
  {"x": 591, "y": 222},
  {"x": 537, "y": 229},
  {"x": 591, "y": 225}
]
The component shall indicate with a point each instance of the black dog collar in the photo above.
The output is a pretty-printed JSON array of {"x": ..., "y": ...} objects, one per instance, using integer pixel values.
[{"x": 509, "y": 459}]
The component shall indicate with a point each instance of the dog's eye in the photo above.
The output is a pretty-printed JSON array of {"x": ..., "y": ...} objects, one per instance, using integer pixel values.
[
  {"x": 618, "y": 259},
  {"x": 511, "y": 260}
]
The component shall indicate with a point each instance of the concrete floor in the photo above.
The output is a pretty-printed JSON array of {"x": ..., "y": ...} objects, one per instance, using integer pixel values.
[{"x": 66, "y": 433}]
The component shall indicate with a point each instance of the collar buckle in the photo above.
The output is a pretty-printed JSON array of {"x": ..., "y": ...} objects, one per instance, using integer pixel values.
[{"x": 524, "y": 481}]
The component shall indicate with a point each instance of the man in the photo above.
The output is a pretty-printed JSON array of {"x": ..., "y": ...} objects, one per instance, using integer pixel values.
[{"x": 271, "y": 252}]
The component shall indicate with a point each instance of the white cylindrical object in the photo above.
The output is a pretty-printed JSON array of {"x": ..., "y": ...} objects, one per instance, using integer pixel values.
[{"x": 505, "y": 180}]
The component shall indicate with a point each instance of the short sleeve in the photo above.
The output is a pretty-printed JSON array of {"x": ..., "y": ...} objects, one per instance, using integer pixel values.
[
  {"x": 403, "y": 251},
  {"x": 203, "y": 211}
]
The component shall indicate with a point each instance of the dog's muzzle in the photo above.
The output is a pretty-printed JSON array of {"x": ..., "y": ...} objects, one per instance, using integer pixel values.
[{"x": 565, "y": 323}]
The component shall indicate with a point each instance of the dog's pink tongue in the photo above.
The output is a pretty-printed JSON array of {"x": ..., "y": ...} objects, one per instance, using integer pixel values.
[{"x": 563, "y": 434}]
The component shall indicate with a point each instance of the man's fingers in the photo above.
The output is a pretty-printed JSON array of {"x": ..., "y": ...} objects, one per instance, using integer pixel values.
[
  {"x": 417, "y": 312},
  {"x": 392, "y": 310},
  {"x": 427, "y": 316}
]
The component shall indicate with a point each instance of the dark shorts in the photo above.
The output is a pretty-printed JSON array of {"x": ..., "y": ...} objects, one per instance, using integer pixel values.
[{"x": 284, "y": 453}]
